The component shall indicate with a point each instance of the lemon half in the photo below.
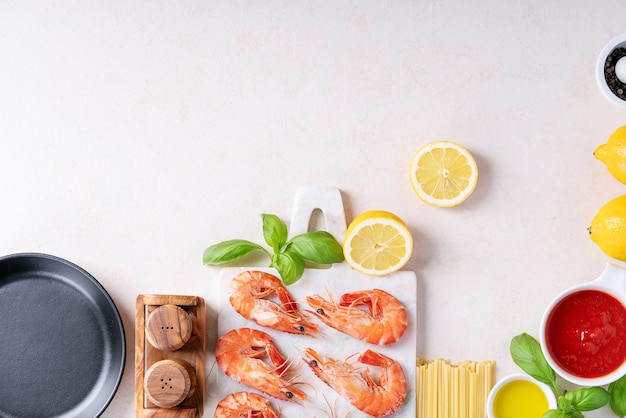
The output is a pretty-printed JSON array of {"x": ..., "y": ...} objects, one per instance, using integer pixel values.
[
  {"x": 443, "y": 173},
  {"x": 377, "y": 243}
]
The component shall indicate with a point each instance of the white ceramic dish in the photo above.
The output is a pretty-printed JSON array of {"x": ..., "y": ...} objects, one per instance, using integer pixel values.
[
  {"x": 618, "y": 41},
  {"x": 613, "y": 282},
  {"x": 550, "y": 396}
]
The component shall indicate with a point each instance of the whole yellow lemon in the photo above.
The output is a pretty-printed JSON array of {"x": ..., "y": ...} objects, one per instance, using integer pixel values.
[
  {"x": 613, "y": 154},
  {"x": 608, "y": 228}
]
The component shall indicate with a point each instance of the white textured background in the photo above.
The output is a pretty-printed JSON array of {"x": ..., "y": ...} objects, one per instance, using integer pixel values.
[{"x": 136, "y": 133}]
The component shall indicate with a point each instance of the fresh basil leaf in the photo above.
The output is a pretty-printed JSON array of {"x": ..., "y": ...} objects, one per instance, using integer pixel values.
[
  {"x": 588, "y": 399},
  {"x": 274, "y": 231},
  {"x": 287, "y": 257},
  {"x": 526, "y": 353},
  {"x": 564, "y": 403},
  {"x": 289, "y": 265},
  {"x": 554, "y": 413},
  {"x": 318, "y": 247},
  {"x": 617, "y": 402},
  {"x": 573, "y": 413},
  {"x": 228, "y": 251}
]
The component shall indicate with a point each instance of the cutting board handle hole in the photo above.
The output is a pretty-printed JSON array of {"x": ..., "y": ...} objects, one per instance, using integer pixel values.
[{"x": 317, "y": 222}]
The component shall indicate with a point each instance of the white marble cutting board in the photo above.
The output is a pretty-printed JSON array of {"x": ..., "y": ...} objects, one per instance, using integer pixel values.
[{"x": 339, "y": 279}]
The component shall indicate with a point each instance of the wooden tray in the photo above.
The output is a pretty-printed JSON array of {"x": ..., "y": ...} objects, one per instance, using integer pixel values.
[{"x": 170, "y": 350}]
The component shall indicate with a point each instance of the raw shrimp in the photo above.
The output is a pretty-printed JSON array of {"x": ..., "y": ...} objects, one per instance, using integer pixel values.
[
  {"x": 248, "y": 291},
  {"x": 384, "y": 324},
  {"x": 244, "y": 405},
  {"x": 357, "y": 386},
  {"x": 241, "y": 354}
]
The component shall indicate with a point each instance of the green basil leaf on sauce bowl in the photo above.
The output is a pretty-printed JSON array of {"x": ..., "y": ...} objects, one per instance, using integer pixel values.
[
  {"x": 526, "y": 353},
  {"x": 588, "y": 399},
  {"x": 617, "y": 402}
]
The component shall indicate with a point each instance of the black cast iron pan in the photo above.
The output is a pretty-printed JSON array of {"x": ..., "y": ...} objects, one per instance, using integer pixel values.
[{"x": 62, "y": 345}]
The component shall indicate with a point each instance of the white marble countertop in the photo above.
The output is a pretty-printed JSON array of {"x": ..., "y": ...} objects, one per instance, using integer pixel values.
[{"x": 135, "y": 134}]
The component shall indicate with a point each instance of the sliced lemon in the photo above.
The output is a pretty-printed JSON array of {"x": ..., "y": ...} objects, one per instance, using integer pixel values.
[
  {"x": 443, "y": 174},
  {"x": 377, "y": 242}
]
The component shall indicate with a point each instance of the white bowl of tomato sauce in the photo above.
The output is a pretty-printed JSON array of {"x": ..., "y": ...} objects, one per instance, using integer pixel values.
[{"x": 583, "y": 330}]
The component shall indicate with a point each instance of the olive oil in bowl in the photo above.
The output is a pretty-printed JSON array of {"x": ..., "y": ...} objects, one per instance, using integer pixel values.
[{"x": 520, "y": 396}]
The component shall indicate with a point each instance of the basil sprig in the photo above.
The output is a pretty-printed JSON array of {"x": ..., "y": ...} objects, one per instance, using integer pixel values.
[
  {"x": 288, "y": 257},
  {"x": 526, "y": 353}
]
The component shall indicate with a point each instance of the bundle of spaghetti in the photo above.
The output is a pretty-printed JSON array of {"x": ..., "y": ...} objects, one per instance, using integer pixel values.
[{"x": 445, "y": 390}]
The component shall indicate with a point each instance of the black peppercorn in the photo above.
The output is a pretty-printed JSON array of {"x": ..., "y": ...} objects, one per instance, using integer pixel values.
[{"x": 615, "y": 84}]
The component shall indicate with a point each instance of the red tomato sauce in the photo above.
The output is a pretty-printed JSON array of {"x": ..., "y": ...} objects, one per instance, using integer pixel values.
[{"x": 586, "y": 333}]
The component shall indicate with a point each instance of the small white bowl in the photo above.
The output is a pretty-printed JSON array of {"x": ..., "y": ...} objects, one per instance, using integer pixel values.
[
  {"x": 550, "y": 396},
  {"x": 618, "y": 41}
]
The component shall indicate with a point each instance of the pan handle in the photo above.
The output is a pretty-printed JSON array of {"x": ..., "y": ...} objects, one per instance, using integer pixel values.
[{"x": 328, "y": 200}]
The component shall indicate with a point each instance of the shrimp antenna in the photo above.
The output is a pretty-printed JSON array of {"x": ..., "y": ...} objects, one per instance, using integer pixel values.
[
  {"x": 280, "y": 411},
  {"x": 355, "y": 365},
  {"x": 208, "y": 375},
  {"x": 331, "y": 298},
  {"x": 311, "y": 385},
  {"x": 292, "y": 363},
  {"x": 293, "y": 381},
  {"x": 332, "y": 409},
  {"x": 298, "y": 360},
  {"x": 286, "y": 367}
]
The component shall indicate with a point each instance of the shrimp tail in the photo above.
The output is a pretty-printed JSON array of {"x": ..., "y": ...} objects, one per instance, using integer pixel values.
[
  {"x": 289, "y": 303},
  {"x": 362, "y": 298},
  {"x": 373, "y": 358},
  {"x": 276, "y": 358}
]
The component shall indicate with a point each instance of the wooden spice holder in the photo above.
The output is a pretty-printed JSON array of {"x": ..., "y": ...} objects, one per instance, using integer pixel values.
[{"x": 170, "y": 351}]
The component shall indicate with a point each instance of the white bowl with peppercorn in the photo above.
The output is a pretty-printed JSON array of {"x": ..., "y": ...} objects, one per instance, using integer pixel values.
[{"x": 611, "y": 71}]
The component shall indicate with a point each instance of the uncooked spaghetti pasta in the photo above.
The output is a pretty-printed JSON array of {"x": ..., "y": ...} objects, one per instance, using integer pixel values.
[{"x": 445, "y": 390}]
